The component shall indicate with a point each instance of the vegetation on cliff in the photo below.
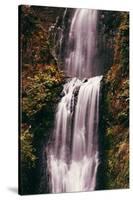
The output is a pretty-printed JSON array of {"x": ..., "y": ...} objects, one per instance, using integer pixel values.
[
  {"x": 115, "y": 109},
  {"x": 41, "y": 84}
]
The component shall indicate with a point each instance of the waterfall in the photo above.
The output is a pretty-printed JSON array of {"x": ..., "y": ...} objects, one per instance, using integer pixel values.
[
  {"x": 72, "y": 155},
  {"x": 61, "y": 35},
  {"x": 82, "y": 44}
]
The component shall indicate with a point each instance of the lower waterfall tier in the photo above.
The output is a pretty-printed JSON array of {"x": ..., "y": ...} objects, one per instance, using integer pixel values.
[{"x": 73, "y": 156}]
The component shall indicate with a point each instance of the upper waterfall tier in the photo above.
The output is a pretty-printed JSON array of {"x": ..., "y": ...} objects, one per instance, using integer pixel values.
[{"x": 81, "y": 60}]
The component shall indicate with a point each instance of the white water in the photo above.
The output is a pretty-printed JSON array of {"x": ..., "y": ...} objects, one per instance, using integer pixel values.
[
  {"x": 73, "y": 156},
  {"x": 82, "y": 49}
]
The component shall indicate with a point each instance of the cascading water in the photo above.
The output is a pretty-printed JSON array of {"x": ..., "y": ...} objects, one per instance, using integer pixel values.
[
  {"x": 73, "y": 156},
  {"x": 82, "y": 45}
]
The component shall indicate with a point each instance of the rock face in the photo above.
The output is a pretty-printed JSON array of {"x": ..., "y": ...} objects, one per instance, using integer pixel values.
[
  {"x": 41, "y": 84},
  {"x": 114, "y": 109}
]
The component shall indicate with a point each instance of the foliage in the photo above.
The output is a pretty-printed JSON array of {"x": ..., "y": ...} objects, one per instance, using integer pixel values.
[
  {"x": 27, "y": 151},
  {"x": 40, "y": 95},
  {"x": 41, "y": 83},
  {"x": 41, "y": 89},
  {"x": 115, "y": 117},
  {"x": 34, "y": 42}
]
